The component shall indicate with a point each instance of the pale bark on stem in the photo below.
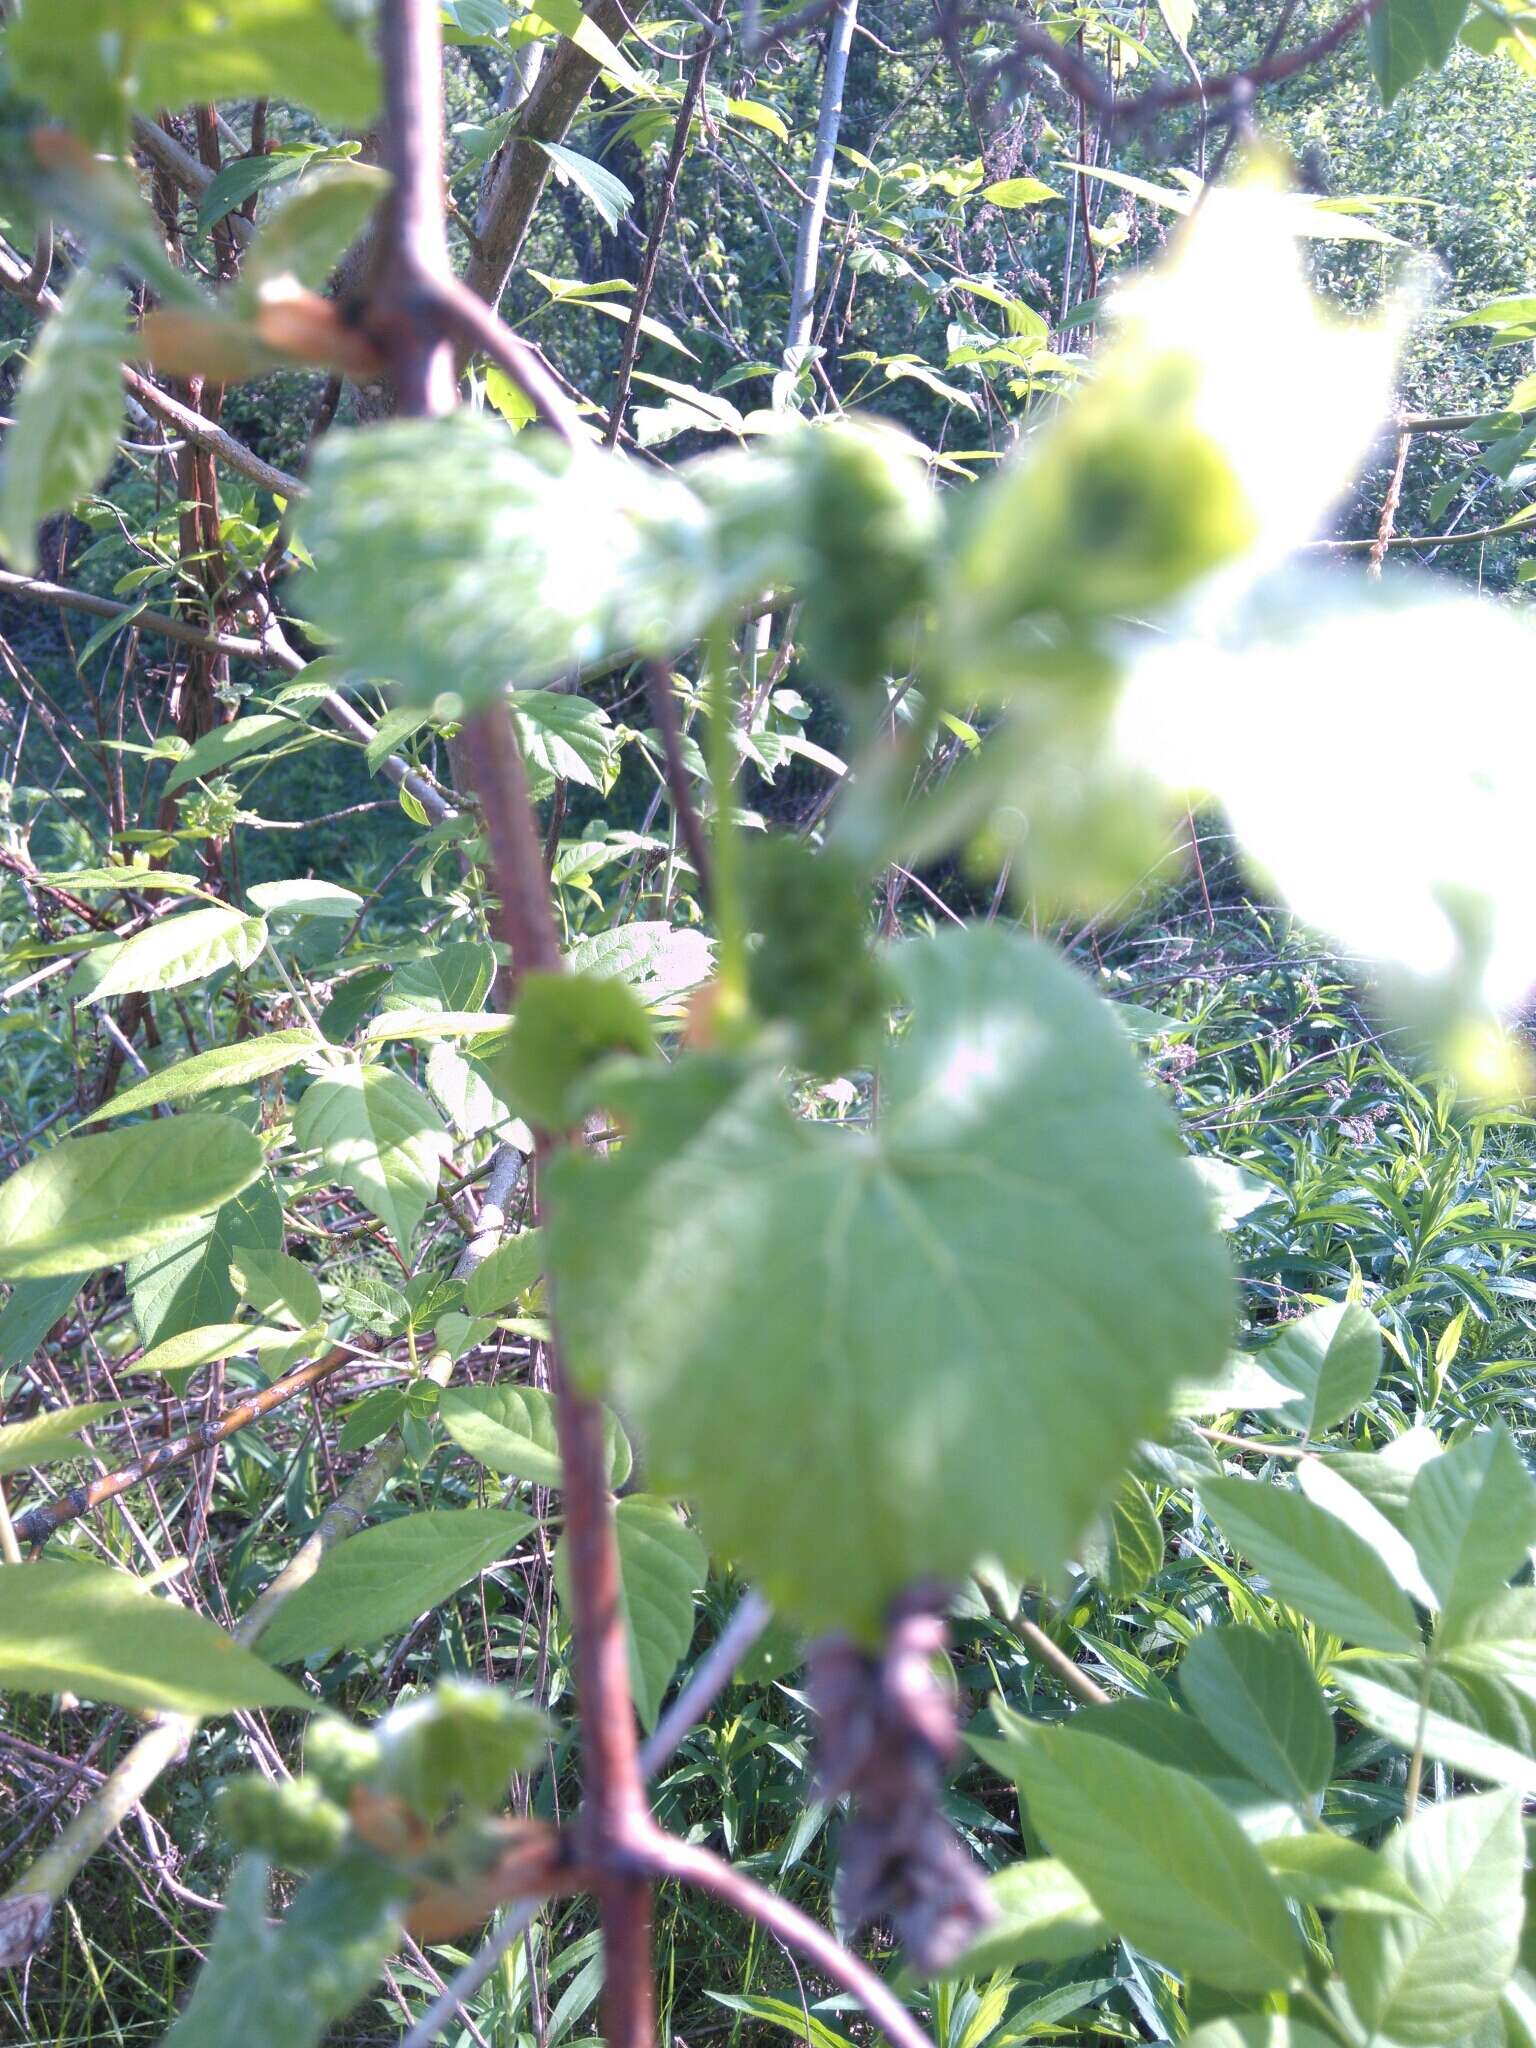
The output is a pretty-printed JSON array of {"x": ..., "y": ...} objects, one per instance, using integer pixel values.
[
  {"x": 563, "y": 83},
  {"x": 813, "y": 215},
  {"x": 1056, "y": 1661}
]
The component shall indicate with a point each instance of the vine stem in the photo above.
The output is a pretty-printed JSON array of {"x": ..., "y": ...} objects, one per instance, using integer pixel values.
[{"x": 663, "y": 214}]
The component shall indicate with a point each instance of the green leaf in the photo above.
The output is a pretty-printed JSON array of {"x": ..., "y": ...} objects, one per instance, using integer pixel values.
[
  {"x": 1481, "y": 1723},
  {"x": 101, "y": 60},
  {"x": 189, "y": 1348},
  {"x": 1472, "y": 1519},
  {"x": 1258, "y": 2030},
  {"x": 1130, "y": 1552},
  {"x": 1315, "y": 1563},
  {"x": 226, "y": 1066},
  {"x": 379, "y": 1136},
  {"x": 510, "y": 1270},
  {"x": 371, "y": 1417},
  {"x": 187, "y": 1283},
  {"x": 1323, "y": 1485},
  {"x": 31, "y": 1312},
  {"x": 511, "y": 1430},
  {"x": 662, "y": 1566},
  {"x": 271, "y": 1280},
  {"x": 455, "y": 559},
  {"x": 825, "y": 1270},
  {"x": 353, "y": 999},
  {"x": 286, "y": 1980},
  {"x": 307, "y": 236},
  {"x": 807, "y": 2028},
  {"x": 1331, "y": 1358},
  {"x": 242, "y": 176},
  {"x": 609, "y": 195},
  {"x": 565, "y": 1025},
  {"x": 1011, "y": 192},
  {"x": 510, "y": 400},
  {"x": 453, "y": 978},
  {"x": 1162, "y": 1859},
  {"x": 91, "y": 1201},
  {"x": 48, "y": 1438},
  {"x": 1043, "y": 1915},
  {"x": 658, "y": 961},
  {"x": 214, "y": 752},
  {"x": 594, "y": 42},
  {"x": 1386, "y": 1477},
  {"x": 370, "y": 1300},
  {"x": 380, "y": 1581},
  {"x": 760, "y": 116},
  {"x": 1421, "y": 1982},
  {"x": 1162, "y": 1734},
  {"x": 174, "y": 951},
  {"x": 1333, "y": 1872},
  {"x": 80, "y": 1628},
  {"x": 1406, "y": 38},
  {"x": 303, "y": 896},
  {"x": 68, "y": 413},
  {"x": 563, "y": 737},
  {"x": 1257, "y": 1696}
]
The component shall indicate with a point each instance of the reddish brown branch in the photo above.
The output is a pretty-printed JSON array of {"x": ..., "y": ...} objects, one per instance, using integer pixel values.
[
  {"x": 669, "y": 1857},
  {"x": 37, "y": 1524},
  {"x": 1088, "y": 86},
  {"x": 418, "y": 314}
]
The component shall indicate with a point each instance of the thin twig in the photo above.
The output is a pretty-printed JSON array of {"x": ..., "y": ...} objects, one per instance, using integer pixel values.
[
  {"x": 663, "y": 214},
  {"x": 707, "y": 1873},
  {"x": 658, "y": 689},
  {"x": 37, "y": 1524}
]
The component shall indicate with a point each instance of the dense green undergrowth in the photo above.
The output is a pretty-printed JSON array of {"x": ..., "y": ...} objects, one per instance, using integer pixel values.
[{"x": 1341, "y": 1168}]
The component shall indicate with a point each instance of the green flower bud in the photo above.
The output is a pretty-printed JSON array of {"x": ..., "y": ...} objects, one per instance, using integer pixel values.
[
  {"x": 814, "y": 968},
  {"x": 293, "y": 1823},
  {"x": 338, "y": 1755}
]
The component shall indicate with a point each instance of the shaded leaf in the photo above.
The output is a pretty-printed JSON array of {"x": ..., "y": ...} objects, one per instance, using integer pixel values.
[
  {"x": 1331, "y": 1358},
  {"x": 1163, "y": 1860},
  {"x": 1258, "y": 1697}
]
